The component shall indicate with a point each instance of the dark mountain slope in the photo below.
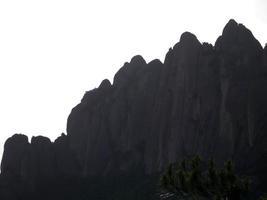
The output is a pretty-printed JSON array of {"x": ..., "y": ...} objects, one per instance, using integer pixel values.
[{"x": 204, "y": 99}]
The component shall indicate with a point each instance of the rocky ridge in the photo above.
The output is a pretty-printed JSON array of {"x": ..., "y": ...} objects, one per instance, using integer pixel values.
[{"x": 203, "y": 99}]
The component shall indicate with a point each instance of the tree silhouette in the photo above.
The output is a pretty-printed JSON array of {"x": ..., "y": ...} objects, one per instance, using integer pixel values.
[
  {"x": 264, "y": 197},
  {"x": 192, "y": 179}
]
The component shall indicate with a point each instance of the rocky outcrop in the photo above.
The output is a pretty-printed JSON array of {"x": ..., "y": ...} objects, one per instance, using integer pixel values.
[
  {"x": 204, "y": 99},
  {"x": 13, "y": 158},
  {"x": 28, "y": 170}
]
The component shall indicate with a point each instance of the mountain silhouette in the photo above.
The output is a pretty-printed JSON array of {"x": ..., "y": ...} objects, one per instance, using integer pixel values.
[{"x": 204, "y": 99}]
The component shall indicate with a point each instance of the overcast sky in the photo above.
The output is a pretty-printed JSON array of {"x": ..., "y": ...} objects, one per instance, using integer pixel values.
[{"x": 52, "y": 51}]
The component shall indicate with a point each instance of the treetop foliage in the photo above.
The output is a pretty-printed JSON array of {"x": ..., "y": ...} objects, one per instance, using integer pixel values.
[{"x": 193, "y": 179}]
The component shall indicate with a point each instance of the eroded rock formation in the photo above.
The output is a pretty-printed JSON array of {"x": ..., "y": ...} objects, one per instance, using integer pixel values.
[{"x": 204, "y": 99}]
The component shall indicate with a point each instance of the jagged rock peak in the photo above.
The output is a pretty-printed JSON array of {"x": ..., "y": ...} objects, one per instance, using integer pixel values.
[
  {"x": 138, "y": 60},
  {"x": 105, "y": 84},
  {"x": 188, "y": 37},
  {"x": 128, "y": 71},
  {"x": 155, "y": 62},
  {"x": 231, "y": 27},
  {"x": 17, "y": 138},
  {"x": 40, "y": 140},
  {"x": 60, "y": 138},
  {"x": 187, "y": 46},
  {"x": 236, "y": 33},
  {"x": 187, "y": 40},
  {"x": 14, "y": 149},
  {"x": 207, "y": 45}
]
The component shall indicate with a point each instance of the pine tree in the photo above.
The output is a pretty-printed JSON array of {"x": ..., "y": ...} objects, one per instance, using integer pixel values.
[{"x": 188, "y": 180}]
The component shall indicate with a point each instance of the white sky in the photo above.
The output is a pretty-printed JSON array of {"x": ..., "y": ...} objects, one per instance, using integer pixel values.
[{"x": 52, "y": 51}]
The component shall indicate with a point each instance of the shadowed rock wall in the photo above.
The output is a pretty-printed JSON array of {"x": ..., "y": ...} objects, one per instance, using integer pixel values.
[{"x": 204, "y": 99}]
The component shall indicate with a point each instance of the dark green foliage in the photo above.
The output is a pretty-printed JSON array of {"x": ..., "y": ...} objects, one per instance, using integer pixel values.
[
  {"x": 263, "y": 197},
  {"x": 192, "y": 179}
]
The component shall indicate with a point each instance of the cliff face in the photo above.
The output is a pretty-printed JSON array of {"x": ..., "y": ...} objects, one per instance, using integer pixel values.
[{"x": 204, "y": 99}]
